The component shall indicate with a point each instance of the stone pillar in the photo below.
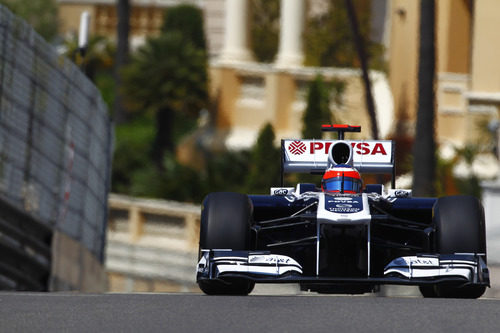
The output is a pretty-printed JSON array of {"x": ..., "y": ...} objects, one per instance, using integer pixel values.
[
  {"x": 290, "y": 52},
  {"x": 236, "y": 38},
  {"x": 136, "y": 223}
]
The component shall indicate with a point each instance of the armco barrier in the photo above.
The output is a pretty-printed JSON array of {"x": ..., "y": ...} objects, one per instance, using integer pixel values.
[{"x": 25, "y": 250}]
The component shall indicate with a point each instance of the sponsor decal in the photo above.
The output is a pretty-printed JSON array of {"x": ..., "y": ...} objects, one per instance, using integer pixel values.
[
  {"x": 341, "y": 199},
  {"x": 281, "y": 191},
  {"x": 402, "y": 193},
  {"x": 360, "y": 148},
  {"x": 305, "y": 155},
  {"x": 367, "y": 150},
  {"x": 344, "y": 205},
  {"x": 423, "y": 261},
  {"x": 297, "y": 147},
  {"x": 271, "y": 259},
  {"x": 343, "y": 210}
]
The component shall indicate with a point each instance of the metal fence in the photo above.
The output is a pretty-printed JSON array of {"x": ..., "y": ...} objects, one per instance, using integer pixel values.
[{"x": 55, "y": 137}]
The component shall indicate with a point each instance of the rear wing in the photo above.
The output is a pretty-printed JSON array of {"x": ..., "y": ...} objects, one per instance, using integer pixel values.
[{"x": 311, "y": 156}]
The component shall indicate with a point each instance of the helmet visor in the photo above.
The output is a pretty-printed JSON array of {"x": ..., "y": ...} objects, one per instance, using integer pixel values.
[{"x": 352, "y": 185}]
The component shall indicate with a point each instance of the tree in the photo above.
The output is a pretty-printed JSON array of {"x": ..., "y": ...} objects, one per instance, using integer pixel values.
[
  {"x": 424, "y": 149},
  {"x": 122, "y": 57},
  {"x": 328, "y": 38},
  {"x": 188, "y": 20},
  {"x": 265, "y": 167},
  {"x": 362, "y": 56},
  {"x": 41, "y": 14},
  {"x": 99, "y": 55},
  {"x": 318, "y": 110},
  {"x": 265, "y": 29},
  {"x": 168, "y": 74}
]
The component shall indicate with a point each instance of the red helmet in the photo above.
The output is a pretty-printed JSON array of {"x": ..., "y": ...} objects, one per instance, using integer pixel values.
[{"x": 342, "y": 179}]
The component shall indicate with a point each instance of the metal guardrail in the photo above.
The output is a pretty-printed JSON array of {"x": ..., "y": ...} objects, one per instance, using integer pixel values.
[{"x": 25, "y": 251}]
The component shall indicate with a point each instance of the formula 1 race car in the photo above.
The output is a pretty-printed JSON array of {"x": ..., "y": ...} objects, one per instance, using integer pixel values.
[{"x": 342, "y": 237}]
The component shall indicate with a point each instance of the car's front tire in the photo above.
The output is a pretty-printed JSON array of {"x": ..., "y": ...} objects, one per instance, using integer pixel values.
[
  {"x": 225, "y": 224},
  {"x": 459, "y": 222}
]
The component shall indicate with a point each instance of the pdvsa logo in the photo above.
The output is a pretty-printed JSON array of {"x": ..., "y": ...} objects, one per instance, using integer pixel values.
[
  {"x": 297, "y": 147},
  {"x": 321, "y": 147},
  {"x": 359, "y": 148}
]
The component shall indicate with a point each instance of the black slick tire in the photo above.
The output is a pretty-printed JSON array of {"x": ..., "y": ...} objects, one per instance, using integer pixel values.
[
  {"x": 460, "y": 228},
  {"x": 225, "y": 224}
]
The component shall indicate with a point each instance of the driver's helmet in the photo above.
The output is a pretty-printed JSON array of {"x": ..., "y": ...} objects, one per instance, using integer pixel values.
[{"x": 342, "y": 178}]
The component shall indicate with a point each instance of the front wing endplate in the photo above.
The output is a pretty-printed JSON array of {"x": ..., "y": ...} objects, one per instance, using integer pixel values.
[{"x": 266, "y": 267}]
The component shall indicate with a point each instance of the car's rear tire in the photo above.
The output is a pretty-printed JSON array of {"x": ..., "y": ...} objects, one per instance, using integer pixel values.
[
  {"x": 459, "y": 222},
  {"x": 225, "y": 224}
]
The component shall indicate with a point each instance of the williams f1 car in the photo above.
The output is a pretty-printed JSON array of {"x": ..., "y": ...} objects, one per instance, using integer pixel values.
[{"x": 342, "y": 237}]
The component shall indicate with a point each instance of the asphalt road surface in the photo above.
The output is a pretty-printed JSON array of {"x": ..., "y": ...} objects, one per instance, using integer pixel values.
[{"x": 61, "y": 312}]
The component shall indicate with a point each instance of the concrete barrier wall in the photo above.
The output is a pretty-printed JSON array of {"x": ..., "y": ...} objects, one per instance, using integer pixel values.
[{"x": 55, "y": 143}]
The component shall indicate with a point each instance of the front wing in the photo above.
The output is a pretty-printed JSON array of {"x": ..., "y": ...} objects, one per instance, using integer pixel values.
[{"x": 265, "y": 267}]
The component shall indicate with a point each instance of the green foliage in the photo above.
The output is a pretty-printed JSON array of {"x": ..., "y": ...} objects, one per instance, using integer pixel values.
[
  {"x": 265, "y": 29},
  {"x": 227, "y": 171},
  {"x": 243, "y": 171},
  {"x": 41, "y": 14},
  {"x": 328, "y": 40},
  {"x": 98, "y": 58},
  {"x": 174, "y": 181},
  {"x": 167, "y": 72},
  {"x": 134, "y": 174},
  {"x": 131, "y": 152},
  {"x": 167, "y": 76},
  {"x": 470, "y": 186},
  {"x": 265, "y": 167},
  {"x": 165, "y": 83},
  {"x": 318, "y": 110},
  {"x": 105, "y": 82},
  {"x": 188, "y": 20},
  {"x": 448, "y": 184}
]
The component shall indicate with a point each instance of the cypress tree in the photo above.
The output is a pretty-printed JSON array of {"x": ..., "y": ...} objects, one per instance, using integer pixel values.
[
  {"x": 318, "y": 109},
  {"x": 265, "y": 165}
]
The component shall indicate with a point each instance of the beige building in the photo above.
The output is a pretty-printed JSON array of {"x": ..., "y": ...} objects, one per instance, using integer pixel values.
[
  {"x": 146, "y": 18},
  {"x": 467, "y": 84},
  {"x": 250, "y": 94},
  {"x": 467, "y": 70}
]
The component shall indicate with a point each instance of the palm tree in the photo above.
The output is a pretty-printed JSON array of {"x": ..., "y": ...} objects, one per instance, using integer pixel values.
[
  {"x": 122, "y": 57},
  {"x": 363, "y": 58},
  {"x": 98, "y": 56},
  {"x": 424, "y": 164},
  {"x": 168, "y": 74}
]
